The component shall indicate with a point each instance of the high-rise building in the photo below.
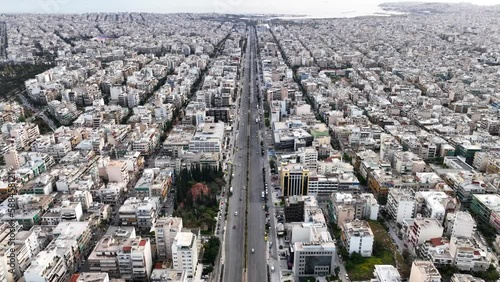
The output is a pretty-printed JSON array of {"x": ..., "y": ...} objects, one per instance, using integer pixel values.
[
  {"x": 166, "y": 230},
  {"x": 185, "y": 252},
  {"x": 294, "y": 180}
]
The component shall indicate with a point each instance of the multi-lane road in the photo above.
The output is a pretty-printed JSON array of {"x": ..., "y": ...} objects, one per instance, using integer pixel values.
[
  {"x": 257, "y": 260},
  {"x": 234, "y": 242},
  {"x": 245, "y": 220}
]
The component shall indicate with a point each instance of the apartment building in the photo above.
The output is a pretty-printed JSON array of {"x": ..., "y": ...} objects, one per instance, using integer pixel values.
[
  {"x": 460, "y": 224},
  {"x": 146, "y": 142},
  {"x": 357, "y": 236},
  {"x": 424, "y": 229},
  {"x": 466, "y": 256},
  {"x": 21, "y": 135},
  {"x": 434, "y": 204},
  {"x": 166, "y": 229},
  {"x": 424, "y": 271},
  {"x": 117, "y": 171},
  {"x": 345, "y": 206},
  {"x": 48, "y": 265},
  {"x": 112, "y": 193},
  {"x": 48, "y": 145},
  {"x": 11, "y": 157},
  {"x": 135, "y": 260},
  {"x": 401, "y": 204},
  {"x": 185, "y": 252},
  {"x": 122, "y": 254},
  {"x": 487, "y": 209},
  {"x": 141, "y": 213}
]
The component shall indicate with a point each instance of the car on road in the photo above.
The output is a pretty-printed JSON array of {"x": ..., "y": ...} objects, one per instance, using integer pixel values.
[
  {"x": 235, "y": 213},
  {"x": 234, "y": 226},
  {"x": 253, "y": 251}
]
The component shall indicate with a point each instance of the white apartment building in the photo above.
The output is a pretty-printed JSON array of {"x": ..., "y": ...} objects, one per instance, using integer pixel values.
[
  {"x": 20, "y": 134},
  {"x": 84, "y": 197},
  {"x": 401, "y": 204},
  {"x": 146, "y": 143},
  {"x": 434, "y": 204},
  {"x": 316, "y": 258},
  {"x": 71, "y": 211},
  {"x": 48, "y": 145},
  {"x": 91, "y": 277},
  {"x": 117, "y": 171},
  {"x": 424, "y": 229},
  {"x": 460, "y": 224},
  {"x": 122, "y": 254},
  {"x": 48, "y": 265},
  {"x": 141, "y": 213},
  {"x": 112, "y": 193},
  {"x": 166, "y": 229},
  {"x": 424, "y": 271},
  {"x": 308, "y": 157},
  {"x": 135, "y": 260},
  {"x": 185, "y": 252},
  {"x": 466, "y": 256},
  {"x": 357, "y": 236},
  {"x": 208, "y": 138},
  {"x": 386, "y": 273}
]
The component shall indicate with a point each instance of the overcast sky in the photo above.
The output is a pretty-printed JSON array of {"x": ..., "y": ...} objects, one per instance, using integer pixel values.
[{"x": 199, "y": 6}]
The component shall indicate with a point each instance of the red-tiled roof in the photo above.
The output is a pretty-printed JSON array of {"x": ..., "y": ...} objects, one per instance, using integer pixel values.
[
  {"x": 142, "y": 243},
  {"x": 437, "y": 242},
  {"x": 476, "y": 253},
  {"x": 158, "y": 265},
  {"x": 127, "y": 248},
  {"x": 74, "y": 278}
]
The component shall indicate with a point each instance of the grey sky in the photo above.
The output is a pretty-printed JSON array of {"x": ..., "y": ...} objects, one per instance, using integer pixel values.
[{"x": 197, "y": 6}]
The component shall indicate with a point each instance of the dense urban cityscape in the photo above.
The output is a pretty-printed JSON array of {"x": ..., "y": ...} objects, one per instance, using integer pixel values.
[{"x": 227, "y": 148}]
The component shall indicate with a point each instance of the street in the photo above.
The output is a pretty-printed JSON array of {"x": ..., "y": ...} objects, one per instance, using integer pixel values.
[
  {"x": 234, "y": 239},
  {"x": 257, "y": 261}
]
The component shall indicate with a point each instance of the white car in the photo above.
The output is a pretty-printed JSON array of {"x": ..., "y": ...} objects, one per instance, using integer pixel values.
[{"x": 235, "y": 213}]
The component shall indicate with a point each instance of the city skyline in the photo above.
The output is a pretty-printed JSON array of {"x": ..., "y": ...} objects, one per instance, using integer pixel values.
[{"x": 320, "y": 8}]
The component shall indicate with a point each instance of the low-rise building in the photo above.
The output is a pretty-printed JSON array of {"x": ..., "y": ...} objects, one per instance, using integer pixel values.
[{"x": 386, "y": 273}]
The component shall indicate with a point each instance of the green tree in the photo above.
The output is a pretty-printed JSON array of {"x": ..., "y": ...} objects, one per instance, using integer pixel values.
[{"x": 211, "y": 250}]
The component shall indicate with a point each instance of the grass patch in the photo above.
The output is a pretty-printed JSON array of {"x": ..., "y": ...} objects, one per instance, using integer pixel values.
[{"x": 361, "y": 268}]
